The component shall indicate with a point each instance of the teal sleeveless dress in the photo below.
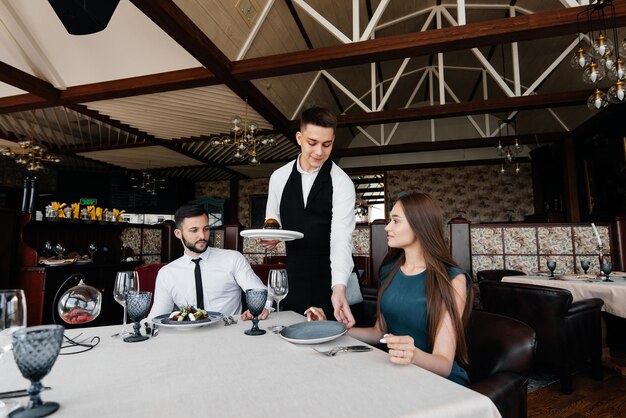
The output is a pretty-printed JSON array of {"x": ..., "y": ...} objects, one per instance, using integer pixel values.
[{"x": 407, "y": 294}]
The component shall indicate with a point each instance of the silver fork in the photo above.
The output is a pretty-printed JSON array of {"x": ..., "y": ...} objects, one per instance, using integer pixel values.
[
  {"x": 226, "y": 321},
  {"x": 232, "y": 320},
  {"x": 351, "y": 348}
]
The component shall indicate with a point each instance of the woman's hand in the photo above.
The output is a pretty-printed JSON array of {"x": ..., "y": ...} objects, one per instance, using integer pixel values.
[
  {"x": 402, "y": 349},
  {"x": 248, "y": 316},
  {"x": 315, "y": 314}
]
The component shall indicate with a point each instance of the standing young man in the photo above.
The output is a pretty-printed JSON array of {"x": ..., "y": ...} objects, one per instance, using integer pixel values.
[
  {"x": 221, "y": 275},
  {"x": 314, "y": 196}
]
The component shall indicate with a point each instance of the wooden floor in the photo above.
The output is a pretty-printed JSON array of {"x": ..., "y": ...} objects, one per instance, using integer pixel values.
[{"x": 591, "y": 398}]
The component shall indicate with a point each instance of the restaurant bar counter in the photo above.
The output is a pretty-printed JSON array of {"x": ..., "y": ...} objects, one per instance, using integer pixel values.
[{"x": 217, "y": 370}]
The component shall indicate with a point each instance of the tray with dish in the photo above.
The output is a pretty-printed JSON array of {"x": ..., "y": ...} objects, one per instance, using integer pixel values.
[
  {"x": 55, "y": 263},
  {"x": 272, "y": 234},
  {"x": 314, "y": 332},
  {"x": 165, "y": 321}
]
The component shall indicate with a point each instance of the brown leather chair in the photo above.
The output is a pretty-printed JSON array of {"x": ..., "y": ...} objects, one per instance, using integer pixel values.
[
  {"x": 496, "y": 275},
  {"x": 568, "y": 334},
  {"x": 147, "y": 277},
  {"x": 501, "y": 353}
]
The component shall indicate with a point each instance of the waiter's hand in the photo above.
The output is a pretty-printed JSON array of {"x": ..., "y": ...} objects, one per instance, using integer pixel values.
[
  {"x": 269, "y": 244},
  {"x": 342, "y": 310},
  {"x": 247, "y": 315}
]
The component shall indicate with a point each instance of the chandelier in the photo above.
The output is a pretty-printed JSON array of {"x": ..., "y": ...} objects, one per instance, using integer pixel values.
[
  {"x": 509, "y": 153},
  {"x": 30, "y": 154},
  {"x": 148, "y": 183},
  {"x": 244, "y": 139},
  {"x": 604, "y": 58}
]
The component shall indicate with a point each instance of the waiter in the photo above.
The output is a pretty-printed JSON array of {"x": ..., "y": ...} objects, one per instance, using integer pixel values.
[{"x": 314, "y": 196}]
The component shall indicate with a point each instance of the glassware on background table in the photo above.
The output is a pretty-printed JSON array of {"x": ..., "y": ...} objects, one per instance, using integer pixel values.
[
  {"x": 551, "y": 266},
  {"x": 12, "y": 319},
  {"x": 278, "y": 287},
  {"x": 35, "y": 350},
  {"x": 137, "y": 304},
  {"x": 585, "y": 265},
  {"x": 125, "y": 282},
  {"x": 92, "y": 249},
  {"x": 47, "y": 249},
  {"x": 606, "y": 268},
  {"x": 256, "y": 298},
  {"x": 59, "y": 249}
]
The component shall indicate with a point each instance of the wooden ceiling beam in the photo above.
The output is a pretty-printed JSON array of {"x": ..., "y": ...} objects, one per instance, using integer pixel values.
[
  {"x": 542, "y": 138},
  {"x": 27, "y": 82},
  {"x": 499, "y": 31},
  {"x": 173, "y": 21},
  {"x": 537, "y": 101},
  {"x": 136, "y": 86}
]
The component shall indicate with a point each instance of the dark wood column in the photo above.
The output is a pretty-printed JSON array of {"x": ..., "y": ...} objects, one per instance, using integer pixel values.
[
  {"x": 570, "y": 182},
  {"x": 378, "y": 246},
  {"x": 618, "y": 240}
]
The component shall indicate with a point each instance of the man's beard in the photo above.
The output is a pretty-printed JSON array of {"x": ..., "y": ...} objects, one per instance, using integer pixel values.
[{"x": 192, "y": 247}]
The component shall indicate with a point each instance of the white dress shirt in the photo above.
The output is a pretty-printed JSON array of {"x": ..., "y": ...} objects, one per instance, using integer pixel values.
[
  {"x": 343, "y": 218},
  {"x": 224, "y": 274}
]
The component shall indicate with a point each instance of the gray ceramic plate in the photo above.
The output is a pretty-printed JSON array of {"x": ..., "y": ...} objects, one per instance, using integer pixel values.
[
  {"x": 314, "y": 332},
  {"x": 164, "y": 320}
]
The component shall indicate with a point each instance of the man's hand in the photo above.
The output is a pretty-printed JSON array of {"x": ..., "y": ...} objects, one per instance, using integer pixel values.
[
  {"x": 247, "y": 315},
  {"x": 342, "y": 310},
  {"x": 269, "y": 244}
]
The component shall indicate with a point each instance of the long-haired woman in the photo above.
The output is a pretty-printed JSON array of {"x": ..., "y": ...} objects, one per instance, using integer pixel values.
[{"x": 425, "y": 299}]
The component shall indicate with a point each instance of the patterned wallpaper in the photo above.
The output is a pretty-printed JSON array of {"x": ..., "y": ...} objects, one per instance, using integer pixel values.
[
  {"x": 214, "y": 189},
  {"x": 528, "y": 248},
  {"x": 477, "y": 193}
]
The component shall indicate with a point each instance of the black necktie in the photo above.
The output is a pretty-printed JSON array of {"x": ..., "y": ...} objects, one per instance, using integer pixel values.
[{"x": 199, "y": 293}]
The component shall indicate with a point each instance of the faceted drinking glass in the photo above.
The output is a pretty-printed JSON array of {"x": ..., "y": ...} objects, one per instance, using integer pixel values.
[{"x": 256, "y": 298}]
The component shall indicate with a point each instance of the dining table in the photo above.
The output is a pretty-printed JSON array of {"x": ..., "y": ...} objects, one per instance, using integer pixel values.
[
  {"x": 217, "y": 370},
  {"x": 584, "y": 287}
]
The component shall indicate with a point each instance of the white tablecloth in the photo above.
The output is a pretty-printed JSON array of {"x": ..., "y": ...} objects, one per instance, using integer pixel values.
[
  {"x": 612, "y": 293},
  {"x": 219, "y": 371}
]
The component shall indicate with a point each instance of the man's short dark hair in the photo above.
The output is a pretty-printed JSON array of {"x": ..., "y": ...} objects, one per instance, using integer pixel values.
[
  {"x": 188, "y": 211},
  {"x": 318, "y": 116}
]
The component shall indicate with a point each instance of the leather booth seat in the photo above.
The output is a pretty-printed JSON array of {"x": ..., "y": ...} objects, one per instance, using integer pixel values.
[
  {"x": 496, "y": 275},
  {"x": 501, "y": 353},
  {"x": 568, "y": 333}
]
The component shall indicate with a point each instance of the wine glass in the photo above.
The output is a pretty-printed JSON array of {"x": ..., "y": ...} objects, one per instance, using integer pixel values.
[
  {"x": 551, "y": 266},
  {"x": 47, "y": 249},
  {"x": 35, "y": 350},
  {"x": 59, "y": 249},
  {"x": 256, "y": 298},
  {"x": 125, "y": 282},
  {"x": 606, "y": 268},
  {"x": 137, "y": 304},
  {"x": 12, "y": 318},
  {"x": 92, "y": 249},
  {"x": 585, "y": 265},
  {"x": 278, "y": 287}
]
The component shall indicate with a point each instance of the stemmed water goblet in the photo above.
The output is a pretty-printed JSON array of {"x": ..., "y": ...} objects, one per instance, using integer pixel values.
[
  {"x": 35, "y": 350},
  {"x": 47, "y": 249},
  {"x": 551, "y": 266},
  {"x": 255, "y": 299},
  {"x": 12, "y": 319},
  {"x": 585, "y": 265},
  {"x": 137, "y": 304},
  {"x": 278, "y": 287},
  {"x": 92, "y": 249},
  {"x": 59, "y": 249},
  {"x": 125, "y": 282},
  {"x": 606, "y": 268}
]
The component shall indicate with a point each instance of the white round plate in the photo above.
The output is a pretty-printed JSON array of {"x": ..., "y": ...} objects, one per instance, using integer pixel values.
[
  {"x": 277, "y": 234},
  {"x": 314, "y": 332},
  {"x": 213, "y": 318}
]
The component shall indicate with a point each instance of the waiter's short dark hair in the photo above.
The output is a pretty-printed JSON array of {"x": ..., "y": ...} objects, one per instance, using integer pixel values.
[
  {"x": 188, "y": 211},
  {"x": 318, "y": 116}
]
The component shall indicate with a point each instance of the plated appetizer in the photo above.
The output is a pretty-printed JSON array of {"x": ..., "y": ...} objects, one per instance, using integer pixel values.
[{"x": 188, "y": 313}]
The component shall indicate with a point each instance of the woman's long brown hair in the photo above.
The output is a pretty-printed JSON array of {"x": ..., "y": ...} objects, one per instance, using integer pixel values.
[{"x": 424, "y": 215}]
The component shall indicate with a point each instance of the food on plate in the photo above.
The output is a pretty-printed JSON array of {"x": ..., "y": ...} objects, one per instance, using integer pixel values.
[
  {"x": 188, "y": 313},
  {"x": 271, "y": 223}
]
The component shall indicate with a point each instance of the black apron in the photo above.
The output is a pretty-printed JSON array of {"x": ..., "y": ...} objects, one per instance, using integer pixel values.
[{"x": 308, "y": 259}]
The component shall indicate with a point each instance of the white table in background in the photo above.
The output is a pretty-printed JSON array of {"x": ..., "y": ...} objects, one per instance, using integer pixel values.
[
  {"x": 219, "y": 371},
  {"x": 612, "y": 293}
]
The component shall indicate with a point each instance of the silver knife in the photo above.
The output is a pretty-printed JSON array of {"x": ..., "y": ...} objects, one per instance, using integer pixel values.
[
  {"x": 17, "y": 393},
  {"x": 357, "y": 348}
]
